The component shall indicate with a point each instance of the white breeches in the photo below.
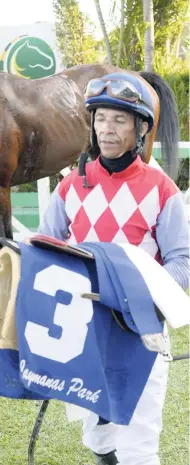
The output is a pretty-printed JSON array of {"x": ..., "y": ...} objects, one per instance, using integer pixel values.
[{"x": 137, "y": 443}]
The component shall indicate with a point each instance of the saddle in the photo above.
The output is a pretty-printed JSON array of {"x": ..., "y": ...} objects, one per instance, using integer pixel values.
[
  {"x": 10, "y": 270},
  {"x": 10, "y": 267}
]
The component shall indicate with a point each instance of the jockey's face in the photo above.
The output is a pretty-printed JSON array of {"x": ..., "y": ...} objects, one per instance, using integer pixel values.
[{"x": 115, "y": 130}]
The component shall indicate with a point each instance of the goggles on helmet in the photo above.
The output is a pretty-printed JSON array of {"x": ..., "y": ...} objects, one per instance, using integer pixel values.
[{"x": 123, "y": 90}]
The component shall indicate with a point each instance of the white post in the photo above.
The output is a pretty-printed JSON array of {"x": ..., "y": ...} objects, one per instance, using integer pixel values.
[{"x": 43, "y": 195}]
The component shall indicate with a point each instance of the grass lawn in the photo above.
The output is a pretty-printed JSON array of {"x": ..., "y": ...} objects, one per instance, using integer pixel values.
[{"x": 60, "y": 442}]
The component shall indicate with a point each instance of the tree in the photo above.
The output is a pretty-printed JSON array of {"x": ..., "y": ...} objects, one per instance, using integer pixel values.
[
  {"x": 149, "y": 34},
  {"x": 132, "y": 55},
  {"x": 167, "y": 26},
  {"x": 104, "y": 32},
  {"x": 74, "y": 34},
  {"x": 169, "y": 19},
  {"x": 122, "y": 30}
]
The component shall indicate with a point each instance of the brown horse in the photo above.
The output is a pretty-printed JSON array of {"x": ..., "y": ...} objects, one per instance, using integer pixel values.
[{"x": 44, "y": 126}]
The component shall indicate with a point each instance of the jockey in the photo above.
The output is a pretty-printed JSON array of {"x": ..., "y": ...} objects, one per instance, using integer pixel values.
[{"x": 122, "y": 199}]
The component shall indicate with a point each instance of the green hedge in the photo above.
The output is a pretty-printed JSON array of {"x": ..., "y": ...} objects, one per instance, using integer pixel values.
[
  {"x": 179, "y": 82},
  {"x": 180, "y": 86}
]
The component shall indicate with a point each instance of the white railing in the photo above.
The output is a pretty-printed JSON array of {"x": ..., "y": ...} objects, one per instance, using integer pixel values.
[
  {"x": 22, "y": 231},
  {"x": 43, "y": 201},
  {"x": 182, "y": 145}
]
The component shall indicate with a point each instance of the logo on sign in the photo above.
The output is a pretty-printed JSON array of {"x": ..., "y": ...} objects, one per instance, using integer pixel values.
[{"x": 29, "y": 57}]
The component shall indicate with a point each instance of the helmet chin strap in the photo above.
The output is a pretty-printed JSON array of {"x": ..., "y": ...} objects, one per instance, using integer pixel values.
[
  {"x": 139, "y": 143},
  {"x": 94, "y": 150}
]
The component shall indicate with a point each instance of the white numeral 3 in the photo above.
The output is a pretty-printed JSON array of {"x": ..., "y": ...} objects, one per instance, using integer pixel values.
[{"x": 73, "y": 318}]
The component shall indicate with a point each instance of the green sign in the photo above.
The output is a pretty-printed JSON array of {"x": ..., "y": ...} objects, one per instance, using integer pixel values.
[{"x": 29, "y": 57}]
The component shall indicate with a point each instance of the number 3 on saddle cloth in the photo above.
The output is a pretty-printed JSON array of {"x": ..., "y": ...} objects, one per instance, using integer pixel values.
[{"x": 58, "y": 337}]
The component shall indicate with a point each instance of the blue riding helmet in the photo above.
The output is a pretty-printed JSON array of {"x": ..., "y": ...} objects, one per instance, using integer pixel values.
[
  {"x": 110, "y": 91},
  {"x": 122, "y": 91}
]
